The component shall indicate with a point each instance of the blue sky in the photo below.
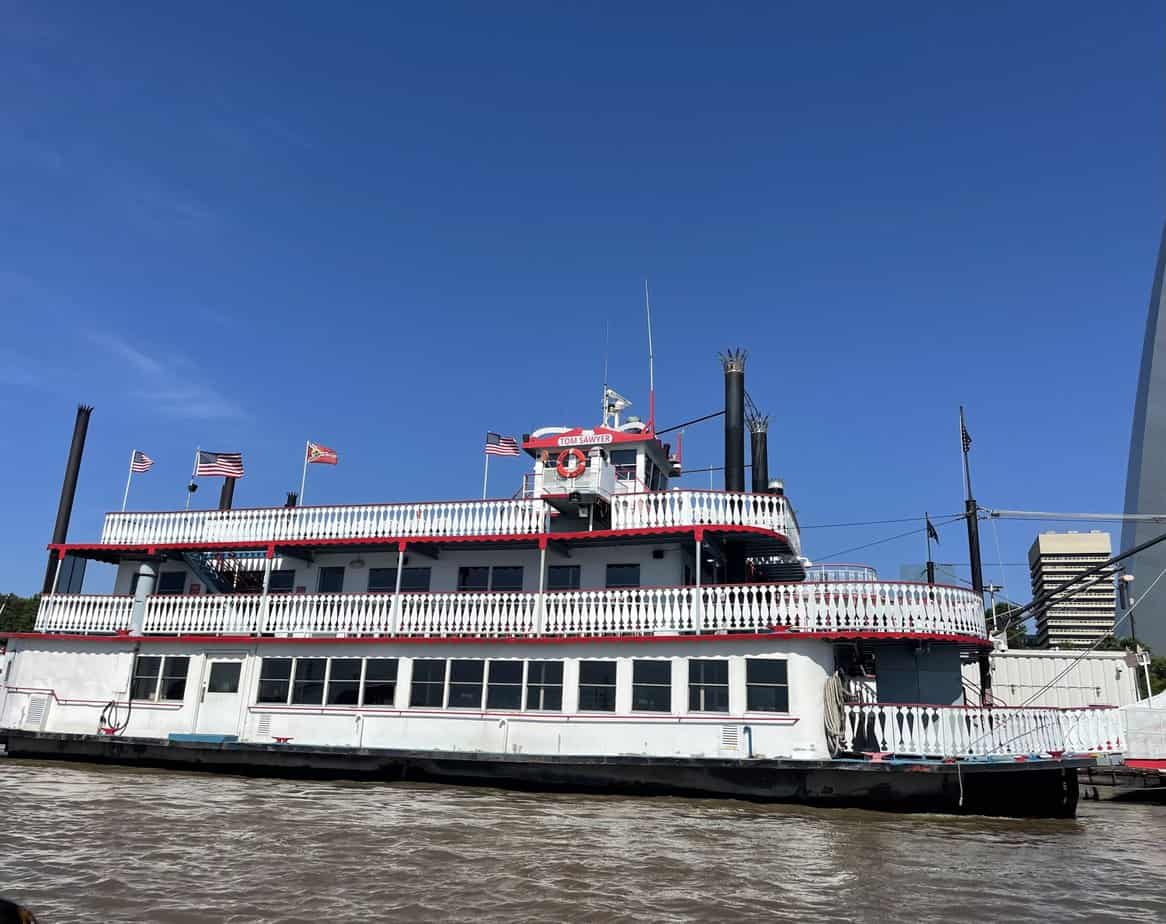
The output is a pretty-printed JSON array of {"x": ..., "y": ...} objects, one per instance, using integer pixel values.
[{"x": 390, "y": 229}]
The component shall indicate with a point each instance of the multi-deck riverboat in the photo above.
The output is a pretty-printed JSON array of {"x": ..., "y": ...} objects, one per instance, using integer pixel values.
[{"x": 604, "y": 630}]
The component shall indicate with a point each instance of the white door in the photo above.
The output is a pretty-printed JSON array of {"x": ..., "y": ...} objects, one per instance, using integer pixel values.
[{"x": 218, "y": 713}]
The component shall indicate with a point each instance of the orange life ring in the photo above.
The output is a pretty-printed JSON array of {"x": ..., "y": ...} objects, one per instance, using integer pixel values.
[{"x": 580, "y": 463}]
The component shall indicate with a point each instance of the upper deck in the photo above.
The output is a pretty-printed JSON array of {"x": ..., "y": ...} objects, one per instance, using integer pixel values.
[{"x": 446, "y": 519}]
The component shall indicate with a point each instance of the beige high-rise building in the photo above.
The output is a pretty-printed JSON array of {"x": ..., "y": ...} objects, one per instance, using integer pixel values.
[{"x": 1079, "y": 620}]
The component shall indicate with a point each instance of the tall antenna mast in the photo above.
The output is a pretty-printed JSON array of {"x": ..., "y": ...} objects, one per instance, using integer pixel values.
[
  {"x": 606, "y": 350},
  {"x": 651, "y": 366}
]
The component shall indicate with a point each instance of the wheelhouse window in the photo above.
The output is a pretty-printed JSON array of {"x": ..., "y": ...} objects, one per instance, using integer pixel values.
[
  {"x": 384, "y": 580},
  {"x": 652, "y": 686},
  {"x": 708, "y": 685},
  {"x": 766, "y": 685},
  {"x": 597, "y": 686},
  {"x": 475, "y": 577},
  {"x": 171, "y": 582},
  {"x": 623, "y": 575},
  {"x": 344, "y": 681},
  {"x": 465, "y": 684},
  {"x": 563, "y": 577},
  {"x": 282, "y": 581},
  {"x": 308, "y": 681},
  {"x": 159, "y": 679},
  {"x": 330, "y": 580},
  {"x": 507, "y": 577},
  {"x": 274, "y": 680},
  {"x": 624, "y": 461},
  {"x": 380, "y": 681},
  {"x": 504, "y": 689},
  {"x": 544, "y": 686},
  {"x": 428, "y": 687}
]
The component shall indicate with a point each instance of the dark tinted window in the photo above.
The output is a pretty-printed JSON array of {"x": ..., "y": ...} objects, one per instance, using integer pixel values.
[
  {"x": 473, "y": 578},
  {"x": 224, "y": 677},
  {"x": 274, "y": 680},
  {"x": 344, "y": 681},
  {"x": 380, "y": 681},
  {"x": 623, "y": 575},
  {"x": 465, "y": 684},
  {"x": 708, "y": 686},
  {"x": 597, "y": 686},
  {"x": 384, "y": 580},
  {"x": 506, "y": 578},
  {"x": 282, "y": 581},
  {"x": 544, "y": 685},
  {"x": 145, "y": 682},
  {"x": 308, "y": 682},
  {"x": 652, "y": 686},
  {"x": 563, "y": 577},
  {"x": 331, "y": 580},
  {"x": 428, "y": 687},
  {"x": 174, "y": 671},
  {"x": 766, "y": 685},
  {"x": 171, "y": 582},
  {"x": 504, "y": 690}
]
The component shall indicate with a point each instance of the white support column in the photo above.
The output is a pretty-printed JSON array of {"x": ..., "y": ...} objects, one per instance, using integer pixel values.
[
  {"x": 61, "y": 560},
  {"x": 541, "y": 607},
  {"x": 265, "y": 602},
  {"x": 395, "y": 617},
  {"x": 147, "y": 576},
  {"x": 698, "y": 609}
]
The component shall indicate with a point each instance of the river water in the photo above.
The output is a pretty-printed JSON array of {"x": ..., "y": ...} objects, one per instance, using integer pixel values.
[{"x": 99, "y": 844}]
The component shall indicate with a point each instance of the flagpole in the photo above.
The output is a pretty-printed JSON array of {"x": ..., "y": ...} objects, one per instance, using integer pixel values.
[
  {"x": 197, "y": 449},
  {"x": 304, "y": 476},
  {"x": 129, "y": 475},
  {"x": 963, "y": 449},
  {"x": 927, "y": 532},
  {"x": 485, "y": 476}
]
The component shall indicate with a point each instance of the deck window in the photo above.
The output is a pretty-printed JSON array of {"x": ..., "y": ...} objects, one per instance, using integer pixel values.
[
  {"x": 544, "y": 686},
  {"x": 428, "y": 688},
  {"x": 465, "y": 684},
  {"x": 384, "y": 580},
  {"x": 507, "y": 577},
  {"x": 171, "y": 582},
  {"x": 473, "y": 578},
  {"x": 344, "y": 681},
  {"x": 504, "y": 691},
  {"x": 597, "y": 686},
  {"x": 157, "y": 678},
  {"x": 224, "y": 677},
  {"x": 623, "y": 575},
  {"x": 624, "y": 461},
  {"x": 380, "y": 682},
  {"x": 330, "y": 580},
  {"x": 708, "y": 686},
  {"x": 651, "y": 686},
  {"x": 282, "y": 581},
  {"x": 274, "y": 680},
  {"x": 308, "y": 681},
  {"x": 563, "y": 577},
  {"x": 766, "y": 685}
]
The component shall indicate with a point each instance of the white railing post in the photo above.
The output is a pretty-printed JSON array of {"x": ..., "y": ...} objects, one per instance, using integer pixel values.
[
  {"x": 265, "y": 602},
  {"x": 698, "y": 607},
  {"x": 395, "y": 612},
  {"x": 540, "y": 609}
]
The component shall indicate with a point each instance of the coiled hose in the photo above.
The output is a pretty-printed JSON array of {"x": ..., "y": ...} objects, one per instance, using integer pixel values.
[{"x": 835, "y": 711}]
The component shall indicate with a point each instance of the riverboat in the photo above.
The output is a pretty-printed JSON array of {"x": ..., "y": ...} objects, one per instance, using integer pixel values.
[{"x": 602, "y": 630}]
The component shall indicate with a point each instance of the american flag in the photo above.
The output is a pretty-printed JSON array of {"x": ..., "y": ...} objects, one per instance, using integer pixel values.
[
  {"x": 141, "y": 462},
  {"x": 214, "y": 464},
  {"x": 965, "y": 436},
  {"x": 318, "y": 453},
  {"x": 497, "y": 445}
]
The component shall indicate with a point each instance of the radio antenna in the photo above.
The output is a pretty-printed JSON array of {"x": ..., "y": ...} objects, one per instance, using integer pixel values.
[
  {"x": 651, "y": 366},
  {"x": 606, "y": 350}
]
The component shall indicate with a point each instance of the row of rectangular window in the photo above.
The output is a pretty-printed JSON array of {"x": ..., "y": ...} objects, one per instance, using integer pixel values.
[{"x": 440, "y": 683}]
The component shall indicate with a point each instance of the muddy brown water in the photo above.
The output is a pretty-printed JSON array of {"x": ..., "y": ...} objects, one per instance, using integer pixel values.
[{"x": 81, "y": 843}]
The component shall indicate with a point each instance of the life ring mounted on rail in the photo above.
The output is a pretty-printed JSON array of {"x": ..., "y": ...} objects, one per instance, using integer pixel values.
[{"x": 575, "y": 470}]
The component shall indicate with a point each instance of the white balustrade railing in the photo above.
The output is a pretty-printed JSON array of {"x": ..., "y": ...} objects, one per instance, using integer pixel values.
[
  {"x": 708, "y": 508},
  {"x": 83, "y": 613},
  {"x": 957, "y": 731},
  {"x": 268, "y": 524},
  {"x": 874, "y": 608}
]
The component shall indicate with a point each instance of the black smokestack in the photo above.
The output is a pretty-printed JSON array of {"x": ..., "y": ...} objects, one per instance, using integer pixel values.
[
  {"x": 68, "y": 490},
  {"x": 227, "y": 495},
  {"x": 759, "y": 452},
  {"x": 292, "y": 499},
  {"x": 734, "y": 365}
]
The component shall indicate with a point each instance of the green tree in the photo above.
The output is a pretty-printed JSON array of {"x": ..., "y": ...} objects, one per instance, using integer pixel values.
[
  {"x": 18, "y": 614},
  {"x": 1018, "y": 636}
]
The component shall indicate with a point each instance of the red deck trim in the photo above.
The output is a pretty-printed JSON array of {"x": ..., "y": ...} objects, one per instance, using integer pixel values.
[
  {"x": 1143, "y": 763},
  {"x": 966, "y": 640}
]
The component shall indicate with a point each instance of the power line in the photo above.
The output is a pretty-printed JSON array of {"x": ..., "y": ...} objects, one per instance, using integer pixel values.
[
  {"x": 689, "y": 423},
  {"x": 859, "y": 548}
]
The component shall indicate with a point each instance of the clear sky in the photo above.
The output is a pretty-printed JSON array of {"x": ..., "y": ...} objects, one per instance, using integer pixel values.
[{"x": 391, "y": 229}]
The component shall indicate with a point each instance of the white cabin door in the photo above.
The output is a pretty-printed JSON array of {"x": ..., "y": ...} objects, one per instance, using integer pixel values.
[{"x": 218, "y": 713}]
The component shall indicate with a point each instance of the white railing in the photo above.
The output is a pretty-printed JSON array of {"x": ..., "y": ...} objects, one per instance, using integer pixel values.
[
  {"x": 875, "y": 608},
  {"x": 266, "y": 524},
  {"x": 956, "y": 731},
  {"x": 708, "y": 508},
  {"x": 83, "y": 614}
]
